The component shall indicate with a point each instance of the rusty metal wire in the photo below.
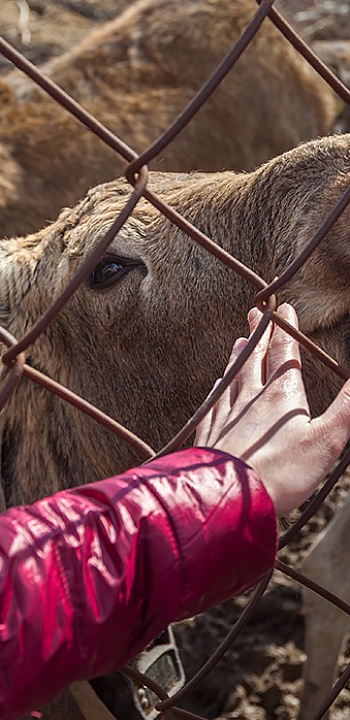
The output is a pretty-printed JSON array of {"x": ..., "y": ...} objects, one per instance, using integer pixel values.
[{"x": 137, "y": 175}]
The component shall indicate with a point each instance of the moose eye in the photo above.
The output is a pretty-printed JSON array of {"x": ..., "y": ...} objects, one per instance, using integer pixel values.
[{"x": 109, "y": 271}]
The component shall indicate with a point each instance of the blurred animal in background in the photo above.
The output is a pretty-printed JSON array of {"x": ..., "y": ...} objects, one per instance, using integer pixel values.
[{"x": 135, "y": 74}]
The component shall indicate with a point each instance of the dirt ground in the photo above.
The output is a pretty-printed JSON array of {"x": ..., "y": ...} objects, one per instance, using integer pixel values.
[{"x": 260, "y": 677}]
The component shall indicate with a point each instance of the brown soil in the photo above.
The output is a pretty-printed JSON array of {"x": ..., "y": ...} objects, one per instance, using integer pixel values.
[{"x": 260, "y": 676}]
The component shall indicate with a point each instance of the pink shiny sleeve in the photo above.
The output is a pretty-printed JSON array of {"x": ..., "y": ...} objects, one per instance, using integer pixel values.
[{"x": 89, "y": 576}]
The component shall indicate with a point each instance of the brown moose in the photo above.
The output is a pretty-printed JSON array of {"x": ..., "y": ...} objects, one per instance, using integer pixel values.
[
  {"x": 135, "y": 74},
  {"x": 147, "y": 335}
]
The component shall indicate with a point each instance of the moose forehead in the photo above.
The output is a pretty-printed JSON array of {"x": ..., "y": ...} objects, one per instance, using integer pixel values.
[{"x": 146, "y": 235}]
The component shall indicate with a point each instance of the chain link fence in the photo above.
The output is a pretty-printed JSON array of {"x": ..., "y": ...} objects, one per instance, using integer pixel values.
[{"x": 266, "y": 293}]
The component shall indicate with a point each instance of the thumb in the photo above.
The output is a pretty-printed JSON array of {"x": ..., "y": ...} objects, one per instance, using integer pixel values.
[{"x": 332, "y": 429}]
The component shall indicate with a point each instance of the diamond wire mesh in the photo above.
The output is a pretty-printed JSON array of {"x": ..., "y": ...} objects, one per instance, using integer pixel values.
[{"x": 137, "y": 175}]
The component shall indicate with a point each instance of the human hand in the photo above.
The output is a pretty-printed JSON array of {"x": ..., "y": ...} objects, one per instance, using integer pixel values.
[{"x": 263, "y": 418}]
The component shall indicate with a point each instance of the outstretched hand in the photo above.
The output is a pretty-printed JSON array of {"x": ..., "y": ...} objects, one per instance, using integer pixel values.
[{"x": 263, "y": 418}]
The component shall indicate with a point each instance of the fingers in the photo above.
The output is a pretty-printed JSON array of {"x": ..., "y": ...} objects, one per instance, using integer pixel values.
[
  {"x": 283, "y": 351},
  {"x": 214, "y": 421},
  {"x": 228, "y": 398},
  {"x": 238, "y": 346},
  {"x": 276, "y": 356},
  {"x": 251, "y": 376},
  {"x": 204, "y": 427}
]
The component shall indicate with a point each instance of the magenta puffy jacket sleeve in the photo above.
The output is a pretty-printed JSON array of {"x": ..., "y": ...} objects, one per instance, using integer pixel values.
[{"x": 89, "y": 576}]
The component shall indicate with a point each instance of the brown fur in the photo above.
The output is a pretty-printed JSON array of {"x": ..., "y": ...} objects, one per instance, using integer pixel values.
[
  {"x": 136, "y": 73},
  {"x": 148, "y": 349}
]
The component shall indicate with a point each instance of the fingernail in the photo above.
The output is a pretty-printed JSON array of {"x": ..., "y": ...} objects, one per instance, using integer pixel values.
[
  {"x": 253, "y": 315},
  {"x": 284, "y": 310},
  {"x": 238, "y": 346},
  {"x": 287, "y": 312}
]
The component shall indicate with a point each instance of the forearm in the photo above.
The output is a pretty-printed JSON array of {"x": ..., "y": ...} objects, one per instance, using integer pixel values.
[{"x": 88, "y": 577}]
